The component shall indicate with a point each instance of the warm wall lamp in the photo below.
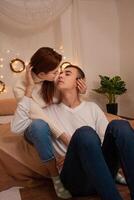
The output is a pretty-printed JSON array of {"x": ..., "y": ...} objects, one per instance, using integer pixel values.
[
  {"x": 64, "y": 64},
  {"x": 17, "y": 65},
  {"x": 2, "y": 86}
]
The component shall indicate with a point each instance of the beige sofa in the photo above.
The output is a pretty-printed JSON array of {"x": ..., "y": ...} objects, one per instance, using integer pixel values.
[{"x": 19, "y": 162}]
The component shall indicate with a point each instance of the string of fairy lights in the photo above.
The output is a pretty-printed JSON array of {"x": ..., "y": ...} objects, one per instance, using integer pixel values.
[
  {"x": 5, "y": 57},
  {"x": 2, "y": 84}
]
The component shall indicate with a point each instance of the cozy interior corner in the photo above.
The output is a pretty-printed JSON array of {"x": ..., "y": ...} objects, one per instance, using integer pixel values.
[
  {"x": 98, "y": 36},
  {"x": 25, "y": 168}
]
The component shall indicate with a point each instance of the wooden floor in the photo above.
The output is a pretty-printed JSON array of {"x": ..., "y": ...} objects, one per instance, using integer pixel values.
[{"x": 46, "y": 192}]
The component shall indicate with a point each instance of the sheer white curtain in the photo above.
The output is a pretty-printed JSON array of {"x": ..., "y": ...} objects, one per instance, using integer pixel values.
[
  {"x": 27, "y": 25},
  {"x": 76, "y": 34},
  {"x": 31, "y": 14}
]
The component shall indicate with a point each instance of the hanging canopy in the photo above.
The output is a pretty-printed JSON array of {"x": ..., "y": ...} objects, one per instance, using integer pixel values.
[{"x": 30, "y": 14}]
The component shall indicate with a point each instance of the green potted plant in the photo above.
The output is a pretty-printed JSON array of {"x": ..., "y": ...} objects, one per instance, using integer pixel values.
[{"x": 111, "y": 88}]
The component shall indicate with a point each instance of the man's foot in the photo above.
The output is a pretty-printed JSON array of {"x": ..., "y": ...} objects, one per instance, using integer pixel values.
[{"x": 59, "y": 188}]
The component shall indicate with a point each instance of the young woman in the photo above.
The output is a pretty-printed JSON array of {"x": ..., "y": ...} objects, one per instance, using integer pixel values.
[{"x": 38, "y": 85}]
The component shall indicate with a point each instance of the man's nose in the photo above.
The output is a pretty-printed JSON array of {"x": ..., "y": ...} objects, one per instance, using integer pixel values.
[{"x": 61, "y": 75}]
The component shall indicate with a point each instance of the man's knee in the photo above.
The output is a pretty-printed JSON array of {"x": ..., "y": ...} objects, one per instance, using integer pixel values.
[
  {"x": 119, "y": 123},
  {"x": 86, "y": 136},
  {"x": 119, "y": 127}
]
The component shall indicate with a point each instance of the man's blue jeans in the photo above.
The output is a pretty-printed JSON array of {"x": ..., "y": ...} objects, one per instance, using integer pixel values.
[
  {"x": 39, "y": 134},
  {"x": 87, "y": 165},
  {"x": 90, "y": 168}
]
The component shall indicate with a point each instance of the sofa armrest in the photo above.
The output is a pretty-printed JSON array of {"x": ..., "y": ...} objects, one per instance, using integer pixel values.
[
  {"x": 7, "y": 106},
  {"x": 111, "y": 117}
]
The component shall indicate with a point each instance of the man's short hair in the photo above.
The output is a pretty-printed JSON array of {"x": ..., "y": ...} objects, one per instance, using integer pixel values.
[{"x": 81, "y": 74}]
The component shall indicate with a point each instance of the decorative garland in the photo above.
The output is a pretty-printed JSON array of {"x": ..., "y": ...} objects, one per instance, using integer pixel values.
[{"x": 2, "y": 86}]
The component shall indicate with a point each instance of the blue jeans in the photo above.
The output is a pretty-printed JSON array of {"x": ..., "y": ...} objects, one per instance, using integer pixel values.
[
  {"x": 39, "y": 134},
  {"x": 90, "y": 168}
]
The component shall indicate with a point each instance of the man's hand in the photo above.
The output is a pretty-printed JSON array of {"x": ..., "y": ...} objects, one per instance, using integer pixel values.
[
  {"x": 60, "y": 161},
  {"x": 81, "y": 84},
  {"x": 65, "y": 138},
  {"x": 29, "y": 81}
]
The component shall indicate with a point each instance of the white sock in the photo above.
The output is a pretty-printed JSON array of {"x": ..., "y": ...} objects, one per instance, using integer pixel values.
[
  {"x": 59, "y": 188},
  {"x": 120, "y": 179}
]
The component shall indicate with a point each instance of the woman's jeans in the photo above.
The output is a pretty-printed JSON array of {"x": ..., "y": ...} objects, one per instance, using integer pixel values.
[
  {"x": 39, "y": 134},
  {"x": 87, "y": 165}
]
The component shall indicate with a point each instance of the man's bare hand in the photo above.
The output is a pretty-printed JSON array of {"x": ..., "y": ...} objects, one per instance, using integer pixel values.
[
  {"x": 81, "y": 84},
  {"x": 65, "y": 138}
]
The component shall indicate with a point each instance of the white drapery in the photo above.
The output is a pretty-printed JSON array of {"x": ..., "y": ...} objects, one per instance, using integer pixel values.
[
  {"x": 31, "y": 14},
  {"x": 26, "y": 25}
]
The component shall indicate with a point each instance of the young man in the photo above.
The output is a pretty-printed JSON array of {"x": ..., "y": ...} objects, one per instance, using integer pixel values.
[{"x": 96, "y": 148}]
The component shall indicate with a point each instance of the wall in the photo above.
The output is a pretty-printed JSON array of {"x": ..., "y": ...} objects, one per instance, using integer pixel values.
[
  {"x": 17, "y": 43},
  {"x": 99, "y": 27},
  {"x": 91, "y": 33},
  {"x": 126, "y": 19},
  {"x": 22, "y": 46}
]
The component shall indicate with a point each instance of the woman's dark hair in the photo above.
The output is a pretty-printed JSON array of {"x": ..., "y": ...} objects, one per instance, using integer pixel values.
[
  {"x": 45, "y": 60},
  {"x": 81, "y": 74}
]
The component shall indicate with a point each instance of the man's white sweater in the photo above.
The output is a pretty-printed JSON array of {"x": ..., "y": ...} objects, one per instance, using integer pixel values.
[{"x": 66, "y": 118}]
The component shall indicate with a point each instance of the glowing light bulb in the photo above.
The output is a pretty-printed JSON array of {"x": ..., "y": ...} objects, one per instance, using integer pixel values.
[
  {"x": 64, "y": 64},
  {"x": 5, "y": 91},
  {"x": 1, "y": 66},
  {"x": 1, "y": 76},
  {"x": 61, "y": 47}
]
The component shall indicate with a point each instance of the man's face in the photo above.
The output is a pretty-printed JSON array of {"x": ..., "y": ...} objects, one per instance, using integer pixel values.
[{"x": 67, "y": 79}]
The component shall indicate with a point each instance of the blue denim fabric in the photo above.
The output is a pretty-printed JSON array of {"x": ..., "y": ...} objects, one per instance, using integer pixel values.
[
  {"x": 39, "y": 134},
  {"x": 90, "y": 168}
]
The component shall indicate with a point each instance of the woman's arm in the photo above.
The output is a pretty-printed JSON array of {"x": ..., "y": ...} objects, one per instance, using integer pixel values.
[
  {"x": 36, "y": 112},
  {"x": 21, "y": 118},
  {"x": 24, "y": 83},
  {"x": 27, "y": 110}
]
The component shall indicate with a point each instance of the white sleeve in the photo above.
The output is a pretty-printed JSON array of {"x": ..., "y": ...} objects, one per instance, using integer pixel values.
[
  {"x": 101, "y": 122},
  {"x": 21, "y": 118},
  {"x": 19, "y": 88}
]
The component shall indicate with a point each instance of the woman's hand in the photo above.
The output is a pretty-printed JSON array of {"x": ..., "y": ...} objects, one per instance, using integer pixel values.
[
  {"x": 81, "y": 85},
  {"x": 29, "y": 81}
]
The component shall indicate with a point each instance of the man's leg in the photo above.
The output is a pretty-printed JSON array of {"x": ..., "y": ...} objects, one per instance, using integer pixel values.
[
  {"x": 85, "y": 170},
  {"x": 119, "y": 143},
  {"x": 39, "y": 134}
]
